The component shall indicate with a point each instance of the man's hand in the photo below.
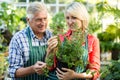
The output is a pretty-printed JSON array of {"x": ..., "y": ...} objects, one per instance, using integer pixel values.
[
  {"x": 52, "y": 43},
  {"x": 39, "y": 66}
]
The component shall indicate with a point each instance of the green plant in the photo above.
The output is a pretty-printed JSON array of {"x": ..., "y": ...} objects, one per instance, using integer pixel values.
[
  {"x": 116, "y": 46},
  {"x": 108, "y": 37},
  {"x": 50, "y": 61},
  {"x": 3, "y": 64},
  {"x": 72, "y": 51},
  {"x": 58, "y": 23},
  {"x": 112, "y": 71},
  {"x": 106, "y": 41},
  {"x": 2, "y": 60},
  {"x": 9, "y": 23},
  {"x": 106, "y": 46},
  {"x": 116, "y": 51},
  {"x": 8, "y": 16}
]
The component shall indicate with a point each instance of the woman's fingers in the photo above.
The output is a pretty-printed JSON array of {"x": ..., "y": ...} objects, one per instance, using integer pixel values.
[
  {"x": 60, "y": 77},
  {"x": 59, "y": 71},
  {"x": 65, "y": 69},
  {"x": 59, "y": 74}
]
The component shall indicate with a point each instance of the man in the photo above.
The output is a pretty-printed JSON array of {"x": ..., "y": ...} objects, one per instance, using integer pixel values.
[{"x": 27, "y": 48}]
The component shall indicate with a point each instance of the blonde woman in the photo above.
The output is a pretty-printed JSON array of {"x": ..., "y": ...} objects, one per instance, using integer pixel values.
[{"x": 76, "y": 13}]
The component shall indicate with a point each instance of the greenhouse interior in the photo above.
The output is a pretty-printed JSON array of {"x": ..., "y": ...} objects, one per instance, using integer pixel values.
[{"x": 104, "y": 23}]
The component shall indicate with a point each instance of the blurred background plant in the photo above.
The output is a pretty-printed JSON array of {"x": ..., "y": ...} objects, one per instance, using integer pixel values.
[
  {"x": 112, "y": 71},
  {"x": 10, "y": 22},
  {"x": 58, "y": 24},
  {"x": 3, "y": 64}
]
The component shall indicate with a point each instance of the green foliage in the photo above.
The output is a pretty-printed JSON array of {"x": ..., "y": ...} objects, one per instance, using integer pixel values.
[
  {"x": 79, "y": 0},
  {"x": 94, "y": 25},
  {"x": 58, "y": 23},
  {"x": 106, "y": 41},
  {"x": 9, "y": 23},
  {"x": 112, "y": 29},
  {"x": 50, "y": 1},
  {"x": 71, "y": 51},
  {"x": 108, "y": 37},
  {"x": 102, "y": 6},
  {"x": 112, "y": 71},
  {"x": 116, "y": 46},
  {"x": 105, "y": 36},
  {"x": 3, "y": 64},
  {"x": 2, "y": 60},
  {"x": 49, "y": 60},
  {"x": 8, "y": 16},
  {"x": 118, "y": 33},
  {"x": 106, "y": 46}
]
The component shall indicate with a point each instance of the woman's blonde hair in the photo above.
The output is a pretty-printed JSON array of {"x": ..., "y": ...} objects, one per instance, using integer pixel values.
[
  {"x": 78, "y": 10},
  {"x": 35, "y": 7}
]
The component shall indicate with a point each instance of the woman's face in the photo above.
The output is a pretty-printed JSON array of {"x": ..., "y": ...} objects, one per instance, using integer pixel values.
[{"x": 73, "y": 22}]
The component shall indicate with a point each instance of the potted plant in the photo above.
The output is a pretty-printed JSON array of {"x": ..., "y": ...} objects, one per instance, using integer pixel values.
[
  {"x": 69, "y": 53},
  {"x": 107, "y": 39},
  {"x": 112, "y": 71},
  {"x": 116, "y": 51},
  {"x": 106, "y": 44}
]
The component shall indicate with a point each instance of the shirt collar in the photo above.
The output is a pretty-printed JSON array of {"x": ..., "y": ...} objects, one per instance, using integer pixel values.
[{"x": 34, "y": 36}]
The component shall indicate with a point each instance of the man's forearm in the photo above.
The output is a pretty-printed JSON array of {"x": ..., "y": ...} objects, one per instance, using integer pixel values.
[{"x": 21, "y": 72}]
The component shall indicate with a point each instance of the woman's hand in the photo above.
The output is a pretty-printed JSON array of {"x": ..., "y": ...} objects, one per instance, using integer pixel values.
[{"x": 67, "y": 75}]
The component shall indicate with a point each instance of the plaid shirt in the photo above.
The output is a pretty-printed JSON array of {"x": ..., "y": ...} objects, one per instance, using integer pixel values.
[{"x": 19, "y": 49}]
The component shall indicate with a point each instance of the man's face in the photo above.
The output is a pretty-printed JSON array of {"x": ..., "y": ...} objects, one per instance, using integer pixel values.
[{"x": 39, "y": 22}]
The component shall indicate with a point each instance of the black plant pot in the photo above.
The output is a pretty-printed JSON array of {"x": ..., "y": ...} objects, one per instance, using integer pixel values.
[
  {"x": 61, "y": 64},
  {"x": 115, "y": 54}
]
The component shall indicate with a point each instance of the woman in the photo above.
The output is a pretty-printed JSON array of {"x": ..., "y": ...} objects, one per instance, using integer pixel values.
[{"x": 76, "y": 13}]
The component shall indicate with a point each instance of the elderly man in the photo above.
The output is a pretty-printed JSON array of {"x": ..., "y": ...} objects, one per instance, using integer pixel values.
[{"x": 27, "y": 48}]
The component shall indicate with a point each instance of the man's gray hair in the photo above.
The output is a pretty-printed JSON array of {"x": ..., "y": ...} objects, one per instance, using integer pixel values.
[{"x": 35, "y": 7}]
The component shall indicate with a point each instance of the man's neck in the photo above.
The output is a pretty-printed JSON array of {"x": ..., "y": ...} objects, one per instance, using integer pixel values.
[{"x": 39, "y": 35}]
